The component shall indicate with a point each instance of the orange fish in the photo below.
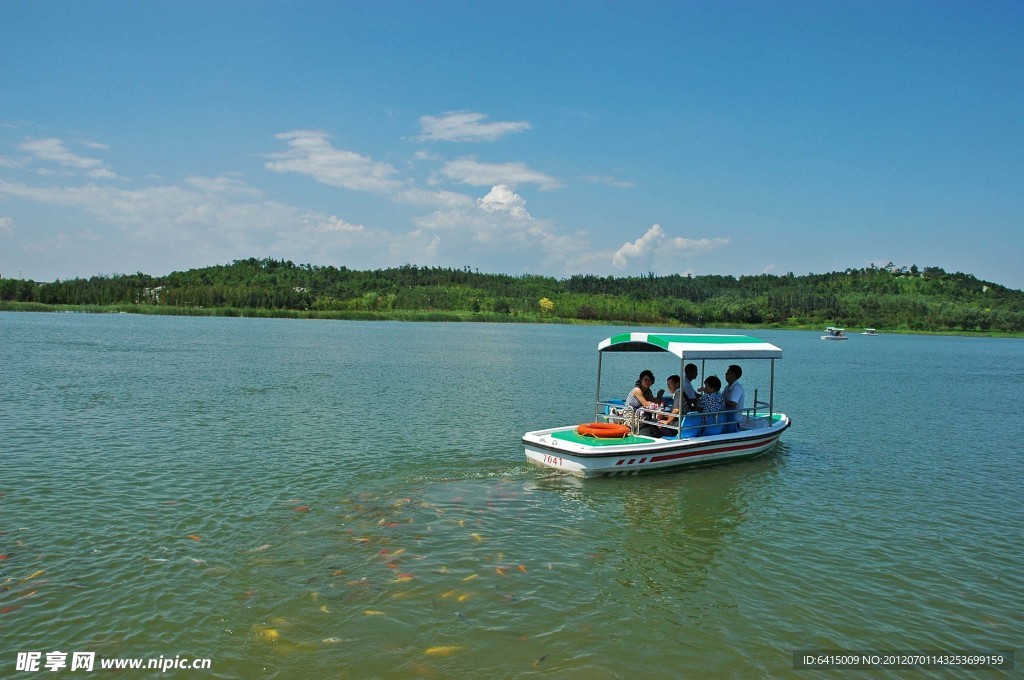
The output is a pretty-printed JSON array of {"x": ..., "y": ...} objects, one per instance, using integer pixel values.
[
  {"x": 500, "y": 571},
  {"x": 404, "y": 577},
  {"x": 7, "y": 610},
  {"x": 522, "y": 568},
  {"x": 195, "y": 537},
  {"x": 301, "y": 508}
]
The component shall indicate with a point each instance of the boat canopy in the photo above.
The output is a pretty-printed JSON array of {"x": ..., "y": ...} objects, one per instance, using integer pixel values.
[{"x": 692, "y": 346}]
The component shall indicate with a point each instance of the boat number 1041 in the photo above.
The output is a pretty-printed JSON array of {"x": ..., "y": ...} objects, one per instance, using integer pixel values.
[{"x": 552, "y": 460}]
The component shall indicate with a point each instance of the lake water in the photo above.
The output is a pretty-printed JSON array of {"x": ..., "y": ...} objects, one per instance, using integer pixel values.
[{"x": 324, "y": 499}]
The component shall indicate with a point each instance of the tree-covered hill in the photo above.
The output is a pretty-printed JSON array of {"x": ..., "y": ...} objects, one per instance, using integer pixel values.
[{"x": 928, "y": 299}]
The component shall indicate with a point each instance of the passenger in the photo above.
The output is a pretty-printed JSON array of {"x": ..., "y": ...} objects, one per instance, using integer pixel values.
[
  {"x": 673, "y": 387},
  {"x": 642, "y": 397},
  {"x": 711, "y": 400},
  {"x": 677, "y": 400},
  {"x": 689, "y": 373},
  {"x": 733, "y": 395}
]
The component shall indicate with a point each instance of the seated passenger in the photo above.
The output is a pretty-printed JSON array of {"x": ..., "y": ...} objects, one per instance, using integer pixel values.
[
  {"x": 642, "y": 397},
  {"x": 676, "y": 399},
  {"x": 733, "y": 395},
  {"x": 710, "y": 401},
  {"x": 689, "y": 373}
]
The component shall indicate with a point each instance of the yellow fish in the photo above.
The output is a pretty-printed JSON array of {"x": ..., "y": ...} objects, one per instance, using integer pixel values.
[
  {"x": 373, "y": 612},
  {"x": 464, "y": 597},
  {"x": 34, "y": 575},
  {"x": 267, "y": 633},
  {"x": 477, "y": 537},
  {"x": 446, "y": 650},
  {"x": 449, "y": 593},
  {"x": 471, "y": 577}
]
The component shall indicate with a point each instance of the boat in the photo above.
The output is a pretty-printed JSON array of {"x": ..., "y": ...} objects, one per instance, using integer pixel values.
[
  {"x": 870, "y": 331},
  {"x": 833, "y": 333},
  {"x": 754, "y": 430}
]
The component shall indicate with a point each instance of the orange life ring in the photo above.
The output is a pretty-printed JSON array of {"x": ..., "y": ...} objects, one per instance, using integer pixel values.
[{"x": 603, "y": 430}]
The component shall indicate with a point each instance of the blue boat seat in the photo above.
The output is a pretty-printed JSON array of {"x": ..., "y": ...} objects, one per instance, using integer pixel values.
[{"x": 691, "y": 425}]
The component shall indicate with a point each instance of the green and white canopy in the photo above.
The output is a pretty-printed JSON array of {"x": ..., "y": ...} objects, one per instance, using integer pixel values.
[{"x": 692, "y": 346}]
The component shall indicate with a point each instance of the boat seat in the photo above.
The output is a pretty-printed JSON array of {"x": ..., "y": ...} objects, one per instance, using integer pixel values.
[
  {"x": 716, "y": 427},
  {"x": 691, "y": 426}
]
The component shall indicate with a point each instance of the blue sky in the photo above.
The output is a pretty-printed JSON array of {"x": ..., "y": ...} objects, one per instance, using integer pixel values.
[{"x": 529, "y": 137}]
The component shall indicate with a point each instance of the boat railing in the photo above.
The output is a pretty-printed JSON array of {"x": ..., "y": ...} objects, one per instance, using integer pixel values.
[{"x": 611, "y": 412}]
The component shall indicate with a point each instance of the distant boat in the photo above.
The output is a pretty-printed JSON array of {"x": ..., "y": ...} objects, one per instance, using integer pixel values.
[
  {"x": 834, "y": 333},
  {"x": 870, "y": 331}
]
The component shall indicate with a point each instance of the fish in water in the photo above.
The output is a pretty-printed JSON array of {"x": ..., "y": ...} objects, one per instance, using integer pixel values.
[{"x": 444, "y": 650}]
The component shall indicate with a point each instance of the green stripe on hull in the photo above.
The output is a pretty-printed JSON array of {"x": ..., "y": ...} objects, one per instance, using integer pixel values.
[{"x": 571, "y": 436}]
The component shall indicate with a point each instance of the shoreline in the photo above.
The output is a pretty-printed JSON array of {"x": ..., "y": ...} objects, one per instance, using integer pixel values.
[{"x": 436, "y": 316}]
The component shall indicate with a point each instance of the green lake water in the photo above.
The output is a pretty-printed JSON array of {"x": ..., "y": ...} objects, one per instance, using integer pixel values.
[{"x": 322, "y": 499}]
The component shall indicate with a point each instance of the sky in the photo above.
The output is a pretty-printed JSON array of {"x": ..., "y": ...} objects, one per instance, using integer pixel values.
[{"x": 554, "y": 137}]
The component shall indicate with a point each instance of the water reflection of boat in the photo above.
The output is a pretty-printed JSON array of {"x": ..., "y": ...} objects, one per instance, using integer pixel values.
[
  {"x": 700, "y": 439},
  {"x": 833, "y": 333},
  {"x": 870, "y": 331}
]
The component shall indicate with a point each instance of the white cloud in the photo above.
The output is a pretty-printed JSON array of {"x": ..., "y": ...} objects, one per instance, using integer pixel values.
[
  {"x": 638, "y": 248},
  {"x": 490, "y": 233},
  {"x": 432, "y": 199},
  {"x": 335, "y": 225},
  {"x": 503, "y": 198},
  {"x": 655, "y": 242},
  {"x": 466, "y": 126},
  {"x": 310, "y": 153},
  {"x": 222, "y": 184},
  {"x": 6, "y": 226},
  {"x": 470, "y": 171},
  {"x": 697, "y": 245},
  {"x": 54, "y": 151},
  {"x": 610, "y": 181}
]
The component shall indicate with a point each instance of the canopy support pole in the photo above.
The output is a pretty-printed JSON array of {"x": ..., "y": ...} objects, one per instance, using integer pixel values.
[{"x": 597, "y": 401}]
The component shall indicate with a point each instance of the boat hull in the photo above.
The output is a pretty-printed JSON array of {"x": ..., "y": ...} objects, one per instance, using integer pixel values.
[{"x": 550, "y": 449}]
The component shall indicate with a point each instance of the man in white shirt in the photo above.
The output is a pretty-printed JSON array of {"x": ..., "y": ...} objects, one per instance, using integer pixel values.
[
  {"x": 733, "y": 394},
  {"x": 689, "y": 373}
]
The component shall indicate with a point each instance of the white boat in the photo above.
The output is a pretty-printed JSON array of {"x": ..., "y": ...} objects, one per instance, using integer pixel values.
[
  {"x": 870, "y": 331},
  {"x": 755, "y": 430},
  {"x": 833, "y": 333}
]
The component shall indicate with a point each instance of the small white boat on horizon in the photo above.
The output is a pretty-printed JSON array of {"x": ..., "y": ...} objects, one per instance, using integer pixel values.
[
  {"x": 834, "y": 333},
  {"x": 870, "y": 331},
  {"x": 609, "y": 448}
]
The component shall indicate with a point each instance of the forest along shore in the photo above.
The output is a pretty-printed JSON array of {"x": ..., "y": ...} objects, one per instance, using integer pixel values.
[{"x": 888, "y": 298}]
